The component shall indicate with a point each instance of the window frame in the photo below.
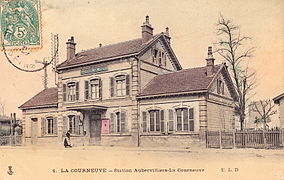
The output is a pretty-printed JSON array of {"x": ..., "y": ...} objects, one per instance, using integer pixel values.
[
  {"x": 71, "y": 97},
  {"x": 49, "y": 119},
  {"x": 186, "y": 116},
  {"x": 71, "y": 128},
  {"x": 118, "y": 122},
  {"x": 120, "y": 85},
  {"x": 94, "y": 83}
]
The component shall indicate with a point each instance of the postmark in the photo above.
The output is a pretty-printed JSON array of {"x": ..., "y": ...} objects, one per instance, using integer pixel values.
[
  {"x": 20, "y": 24},
  {"x": 21, "y": 38}
]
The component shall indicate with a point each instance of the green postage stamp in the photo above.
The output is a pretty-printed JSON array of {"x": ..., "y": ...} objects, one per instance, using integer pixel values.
[{"x": 20, "y": 24}]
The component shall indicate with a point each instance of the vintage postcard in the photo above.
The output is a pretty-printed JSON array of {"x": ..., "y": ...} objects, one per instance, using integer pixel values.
[{"x": 108, "y": 89}]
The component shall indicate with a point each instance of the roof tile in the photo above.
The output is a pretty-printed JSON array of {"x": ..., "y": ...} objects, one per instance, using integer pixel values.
[
  {"x": 46, "y": 97},
  {"x": 186, "y": 80}
]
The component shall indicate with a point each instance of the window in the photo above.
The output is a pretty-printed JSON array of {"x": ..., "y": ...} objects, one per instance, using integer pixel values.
[
  {"x": 185, "y": 119},
  {"x": 71, "y": 91},
  {"x": 154, "y": 55},
  {"x": 119, "y": 85},
  {"x": 155, "y": 120},
  {"x": 220, "y": 86},
  {"x": 160, "y": 58},
  {"x": 49, "y": 125},
  {"x": 95, "y": 88},
  {"x": 72, "y": 124},
  {"x": 118, "y": 122}
]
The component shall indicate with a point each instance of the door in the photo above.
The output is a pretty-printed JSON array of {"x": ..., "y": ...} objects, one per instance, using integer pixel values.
[
  {"x": 95, "y": 129},
  {"x": 34, "y": 131}
]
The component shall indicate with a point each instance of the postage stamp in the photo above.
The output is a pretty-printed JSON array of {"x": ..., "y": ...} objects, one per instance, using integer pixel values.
[{"x": 20, "y": 24}]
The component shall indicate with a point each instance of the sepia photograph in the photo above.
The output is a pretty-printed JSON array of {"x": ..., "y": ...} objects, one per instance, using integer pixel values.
[{"x": 129, "y": 89}]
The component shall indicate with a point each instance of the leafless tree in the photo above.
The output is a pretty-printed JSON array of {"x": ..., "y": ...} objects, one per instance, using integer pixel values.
[
  {"x": 264, "y": 109},
  {"x": 231, "y": 46}
]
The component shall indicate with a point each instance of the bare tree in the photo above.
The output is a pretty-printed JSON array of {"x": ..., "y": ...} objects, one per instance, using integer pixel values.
[
  {"x": 231, "y": 46},
  {"x": 264, "y": 109}
]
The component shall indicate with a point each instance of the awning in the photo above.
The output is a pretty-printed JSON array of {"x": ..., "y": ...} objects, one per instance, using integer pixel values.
[{"x": 86, "y": 107}]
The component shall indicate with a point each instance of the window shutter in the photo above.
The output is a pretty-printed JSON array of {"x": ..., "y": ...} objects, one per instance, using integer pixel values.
[
  {"x": 191, "y": 119},
  {"x": 144, "y": 121},
  {"x": 100, "y": 89},
  {"x": 158, "y": 121},
  {"x": 171, "y": 120},
  {"x": 185, "y": 119},
  {"x": 127, "y": 84},
  {"x": 162, "y": 121},
  {"x": 86, "y": 90},
  {"x": 65, "y": 125},
  {"x": 111, "y": 86},
  {"x": 64, "y": 92},
  {"x": 123, "y": 122},
  {"x": 112, "y": 122},
  {"x": 55, "y": 125},
  {"x": 43, "y": 126},
  {"x": 77, "y": 91},
  {"x": 76, "y": 128}
]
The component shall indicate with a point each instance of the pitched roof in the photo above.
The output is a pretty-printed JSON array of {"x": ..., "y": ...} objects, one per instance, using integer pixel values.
[
  {"x": 126, "y": 48},
  {"x": 187, "y": 80},
  {"x": 277, "y": 98},
  {"x": 47, "y": 97}
]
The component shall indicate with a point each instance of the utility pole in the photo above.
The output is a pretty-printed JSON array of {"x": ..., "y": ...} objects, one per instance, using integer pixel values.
[
  {"x": 54, "y": 55},
  {"x": 45, "y": 63}
]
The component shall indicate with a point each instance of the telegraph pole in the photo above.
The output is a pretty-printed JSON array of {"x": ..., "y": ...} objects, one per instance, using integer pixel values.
[{"x": 45, "y": 76}]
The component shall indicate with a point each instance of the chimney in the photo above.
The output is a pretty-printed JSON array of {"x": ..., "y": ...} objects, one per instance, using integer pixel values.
[
  {"x": 167, "y": 35},
  {"x": 210, "y": 62},
  {"x": 71, "y": 48},
  {"x": 147, "y": 31}
]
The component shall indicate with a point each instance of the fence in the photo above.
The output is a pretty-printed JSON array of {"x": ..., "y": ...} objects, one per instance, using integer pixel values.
[
  {"x": 245, "y": 139},
  {"x": 10, "y": 140}
]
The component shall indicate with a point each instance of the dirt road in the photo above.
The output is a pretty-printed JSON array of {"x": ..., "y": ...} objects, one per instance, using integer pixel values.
[{"x": 140, "y": 163}]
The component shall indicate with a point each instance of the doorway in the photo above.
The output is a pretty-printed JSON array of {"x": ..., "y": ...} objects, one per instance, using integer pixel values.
[
  {"x": 34, "y": 131},
  {"x": 95, "y": 129}
]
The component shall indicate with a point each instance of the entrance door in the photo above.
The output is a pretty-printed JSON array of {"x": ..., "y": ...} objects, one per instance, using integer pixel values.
[
  {"x": 95, "y": 129},
  {"x": 34, "y": 131}
]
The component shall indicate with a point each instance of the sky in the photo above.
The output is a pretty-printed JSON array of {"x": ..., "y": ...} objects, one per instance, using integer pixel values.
[{"x": 192, "y": 27}]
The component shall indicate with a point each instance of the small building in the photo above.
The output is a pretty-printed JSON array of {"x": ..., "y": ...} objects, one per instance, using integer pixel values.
[
  {"x": 130, "y": 93},
  {"x": 280, "y": 101}
]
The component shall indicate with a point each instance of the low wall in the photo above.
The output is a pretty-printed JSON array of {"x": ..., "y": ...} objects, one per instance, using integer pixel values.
[{"x": 171, "y": 141}]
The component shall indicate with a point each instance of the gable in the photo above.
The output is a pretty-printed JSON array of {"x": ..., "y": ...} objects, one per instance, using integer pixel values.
[
  {"x": 222, "y": 84},
  {"x": 160, "y": 43},
  {"x": 158, "y": 55}
]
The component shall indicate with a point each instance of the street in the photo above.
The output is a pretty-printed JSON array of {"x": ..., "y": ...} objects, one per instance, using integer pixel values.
[{"x": 94, "y": 162}]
